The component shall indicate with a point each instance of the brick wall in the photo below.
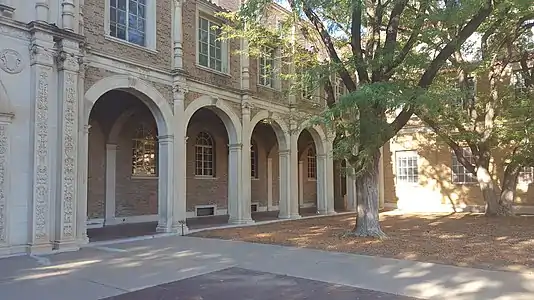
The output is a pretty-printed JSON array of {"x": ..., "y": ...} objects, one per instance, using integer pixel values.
[{"x": 94, "y": 11}]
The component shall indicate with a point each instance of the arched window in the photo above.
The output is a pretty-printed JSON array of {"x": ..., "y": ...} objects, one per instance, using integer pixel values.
[
  {"x": 144, "y": 158},
  {"x": 312, "y": 163},
  {"x": 254, "y": 160},
  {"x": 204, "y": 158}
]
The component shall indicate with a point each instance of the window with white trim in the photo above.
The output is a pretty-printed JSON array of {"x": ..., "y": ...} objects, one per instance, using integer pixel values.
[
  {"x": 526, "y": 175},
  {"x": 267, "y": 67},
  {"x": 407, "y": 168},
  {"x": 212, "y": 50},
  {"x": 144, "y": 156},
  {"x": 254, "y": 160},
  {"x": 204, "y": 155},
  {"x": 127, "y": 20},
  {"x": 312, "y": 163},
  {"x": 459, "y": 172}
]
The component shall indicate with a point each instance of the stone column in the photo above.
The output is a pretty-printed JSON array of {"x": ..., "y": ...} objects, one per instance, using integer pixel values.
[
  {"x": 5, "y": 166},
  {"x": 301, "y": 182},
  {"x": 381, "y": 193},
  {"x": 81, "y": 217},
  {"x": 321, "y": 185},
  {"x": 329, "y": 178},
  {"x": 236, "y": 205},
  {"x": 284, "y": 185},
  {"x": 180, "y": 159},
  {"x": 246, "y": 132},
  {"x": 111, "y": 178},
  {"x": 269, "y": 184},
  {"x": 351, "y": 189},
  {"x": 68, "y": 9},
  {"x": 293, "y": 175},
  {"x": 66, "y": 207},
  {"x": 42, "y": 10},
  {"x": 165, "y": 183},
  {"x": 178, "y": 35},
  {"x": 42, "y": 78}
]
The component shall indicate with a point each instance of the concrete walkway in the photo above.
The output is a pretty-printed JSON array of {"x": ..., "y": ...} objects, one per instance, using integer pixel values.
[{"x": 104, "y": 271}]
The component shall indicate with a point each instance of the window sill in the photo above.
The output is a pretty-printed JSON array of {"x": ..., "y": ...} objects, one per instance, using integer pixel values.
[
  {"x": 205, "y": 177},
  {"x": 208, "y": 69},
  {"x": 129, "y": 44},
  {"x": 135, "y": 177},
  {"x": 254, "y": 179},
  {"x": 312, "y": 179},
  {"x": 272, "y": 89}
]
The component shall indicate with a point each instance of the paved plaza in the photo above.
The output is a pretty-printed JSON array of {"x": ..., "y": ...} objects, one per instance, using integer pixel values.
[{"x": 190, "y": 268}]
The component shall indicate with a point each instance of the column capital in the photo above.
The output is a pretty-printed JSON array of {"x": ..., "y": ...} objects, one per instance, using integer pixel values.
[
  {"x": 111, "y": 147},
  {"x": 284, "y": 152},
  {"x": 321, "y": 156},
  {"x": 165, "y": 139},
  {"x": 234, "y": 147}
]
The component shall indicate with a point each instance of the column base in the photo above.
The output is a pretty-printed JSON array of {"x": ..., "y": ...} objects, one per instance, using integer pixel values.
[
  {"x": 241, "y": 221},
  {"x": 289, "y": 217},
  {"x": 40, "y": 248},
  {"x": 163, "y": 228},
  {"x": 331, "y": 213},
  {"x": 84, "y": 240},
  {"x": 180, "y": 229},
  {"x": 66, "y": 246}
]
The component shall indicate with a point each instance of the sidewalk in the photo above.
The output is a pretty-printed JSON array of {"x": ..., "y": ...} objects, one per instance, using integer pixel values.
[{"x": 98, "y": 272}]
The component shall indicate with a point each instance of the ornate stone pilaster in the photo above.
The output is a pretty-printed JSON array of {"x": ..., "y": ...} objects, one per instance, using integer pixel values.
[
  {"x": 5, "y": 121},
  {"x": 180, "y": 158},
  {"x": 165, "y": 183},
  {"x": 68, "y": 106},
  {"x": 83, "y": 161},
  {"x": 68, "y": 10},
  {"x": 41, "y": 62}
]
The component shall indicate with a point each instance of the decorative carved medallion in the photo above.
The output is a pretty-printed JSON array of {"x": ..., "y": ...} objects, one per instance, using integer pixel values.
[{"x": 11, "y": 61}]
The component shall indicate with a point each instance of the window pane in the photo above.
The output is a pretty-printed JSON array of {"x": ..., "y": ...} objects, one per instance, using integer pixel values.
[
  {"x": 122, "y": 4},
  {"x": 113, "y": 30},
  {"x": 112, "y": 15},
  {"x": 121, "y": 17},
  {"x": 121, "y": 32}
]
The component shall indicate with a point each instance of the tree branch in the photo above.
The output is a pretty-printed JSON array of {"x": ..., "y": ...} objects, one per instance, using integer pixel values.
[
  {"x": 356, "y": 41},
  {"x": 328, "y": 43}
]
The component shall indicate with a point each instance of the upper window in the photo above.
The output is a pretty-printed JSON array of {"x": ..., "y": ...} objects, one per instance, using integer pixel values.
[
  {"x": 266, "y": 70},
  {"x": 144, "y": 152},
  {"x": 407, "y": 166},
  {"x": 340, "y": 88},
  {"x": 526, "y": 175},
  {"x": 211, "y": 50},
  {"x": 127, "y": 20},
  {"x": 459, "y": 172},
  {"x": 204, "y": 155},
  {"x": 312, "y": 163},
  {"x": 254, "y": 160}
]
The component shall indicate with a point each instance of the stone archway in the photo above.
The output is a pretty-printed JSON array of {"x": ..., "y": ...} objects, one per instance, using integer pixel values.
[
  {"x": 163, "y": 116},
  {"x": 232, "y": 124}
]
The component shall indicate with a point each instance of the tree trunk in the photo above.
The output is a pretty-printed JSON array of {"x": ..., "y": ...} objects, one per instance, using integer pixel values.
[
  {"x": 367, "y": 222},
  {"x": 494, "y": 206},
  {"x": 509, "y": 186}
]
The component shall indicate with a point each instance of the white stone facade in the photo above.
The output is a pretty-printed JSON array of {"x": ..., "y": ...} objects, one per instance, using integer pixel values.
[{"x": 46, "y": 99}]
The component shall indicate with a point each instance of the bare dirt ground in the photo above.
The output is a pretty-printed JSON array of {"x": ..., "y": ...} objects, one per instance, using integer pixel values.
[{"x": 471, "y": 240}]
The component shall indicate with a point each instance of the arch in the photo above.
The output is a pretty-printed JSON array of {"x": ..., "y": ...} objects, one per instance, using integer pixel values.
[
  {"x": 318, "y": 135},
  {"x": 279, "y": 127},
  {"x": 228, "y": 116},
  {"x": 158, "y": 105},
  {"x": 118, "y": 124}
]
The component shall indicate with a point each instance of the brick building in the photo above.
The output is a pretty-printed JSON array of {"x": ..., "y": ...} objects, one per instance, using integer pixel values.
[{"x": 122, "y": 111}]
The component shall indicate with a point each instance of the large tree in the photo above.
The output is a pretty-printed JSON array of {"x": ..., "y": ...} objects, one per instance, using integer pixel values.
[
  {"x": 385, "y": 52},
  {"x": 497, "y": 116}
]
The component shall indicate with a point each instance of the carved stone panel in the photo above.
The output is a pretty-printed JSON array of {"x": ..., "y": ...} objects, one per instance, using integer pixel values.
[
  {"x": 41, "y": 165},
  {"x": 3, "y": 177}
]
